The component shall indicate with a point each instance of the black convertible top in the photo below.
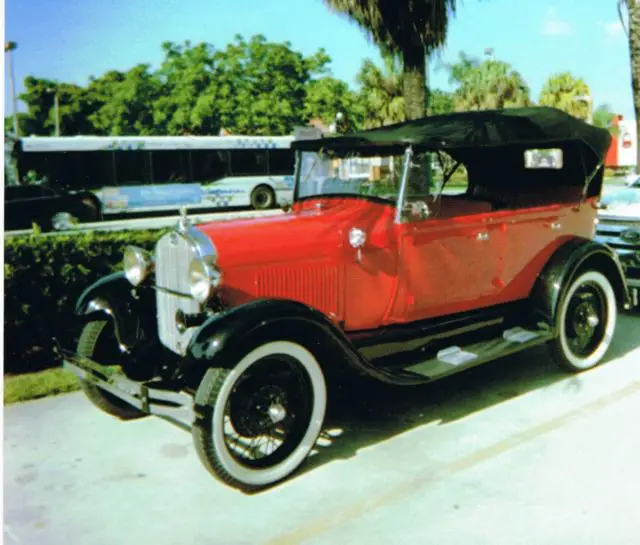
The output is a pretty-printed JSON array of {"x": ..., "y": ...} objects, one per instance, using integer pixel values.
[
  {"x": 491, "y": 145},
  {"x": 522, "y": 127}
]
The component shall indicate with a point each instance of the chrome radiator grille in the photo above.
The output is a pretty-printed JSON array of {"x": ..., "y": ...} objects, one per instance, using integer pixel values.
[{"x": 173, "y": 255}]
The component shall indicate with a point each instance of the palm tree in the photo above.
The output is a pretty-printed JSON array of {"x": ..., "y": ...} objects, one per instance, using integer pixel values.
[
  {"x": 411, "y": 29},
  {"x": 632, "y": 9},
  {"x": 381, "y": 92},
  {"x": 564, "y": 92},
  {"x": 487, "y": 85}
]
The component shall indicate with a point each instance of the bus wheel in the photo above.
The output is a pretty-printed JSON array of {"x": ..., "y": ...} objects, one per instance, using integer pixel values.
[{"x": 262, "y": 198}]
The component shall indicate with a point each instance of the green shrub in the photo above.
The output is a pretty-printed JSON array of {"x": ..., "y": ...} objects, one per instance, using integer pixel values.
[{"x": 43, "y": 277}]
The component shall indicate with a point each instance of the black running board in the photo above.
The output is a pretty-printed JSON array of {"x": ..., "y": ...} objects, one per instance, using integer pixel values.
[{"x": 454, "y": 358}]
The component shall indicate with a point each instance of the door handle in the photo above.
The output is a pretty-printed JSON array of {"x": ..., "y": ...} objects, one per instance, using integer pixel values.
[{"x": 482, "y": 236}]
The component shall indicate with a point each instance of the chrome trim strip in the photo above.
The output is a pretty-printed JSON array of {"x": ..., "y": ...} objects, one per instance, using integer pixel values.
[{"x": 408, "y": 153}]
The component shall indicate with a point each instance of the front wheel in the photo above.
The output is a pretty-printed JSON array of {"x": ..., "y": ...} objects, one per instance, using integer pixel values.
[
  {"x": 62, "y": 221},
  {"x": 95, "y": 342},
  {"x": 265, "y": 415},
  {"x": 586, "y": 322}
]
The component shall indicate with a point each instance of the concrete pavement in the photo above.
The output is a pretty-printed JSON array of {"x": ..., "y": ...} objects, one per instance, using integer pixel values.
[{"x": 512, "y": 452}]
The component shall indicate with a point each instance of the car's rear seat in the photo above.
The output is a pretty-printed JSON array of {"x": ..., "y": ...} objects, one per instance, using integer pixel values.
[{"x": 447, "y": 206}]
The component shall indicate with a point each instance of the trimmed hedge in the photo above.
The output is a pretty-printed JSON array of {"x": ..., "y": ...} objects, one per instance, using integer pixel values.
[{"x": 43, "y": 277}]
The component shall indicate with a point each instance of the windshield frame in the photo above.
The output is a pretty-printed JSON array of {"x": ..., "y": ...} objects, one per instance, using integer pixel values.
[{"x": 398, "y": 204}]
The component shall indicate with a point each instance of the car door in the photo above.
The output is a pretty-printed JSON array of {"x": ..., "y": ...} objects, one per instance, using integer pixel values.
[
  {"x": 27, "y": 204},
  {"x": 451, "y": 264},
  {"x": 531, "y": 237}
]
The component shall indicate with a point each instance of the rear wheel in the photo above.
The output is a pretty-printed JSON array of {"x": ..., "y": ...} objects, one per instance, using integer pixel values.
[
  {"x": 262, "y": 198},
  {"x": 586, "y": 322},
  {"x": 89, "y": 210},
  {"x": 95, "y": 336},
  {"x": 266, "y": 414}
]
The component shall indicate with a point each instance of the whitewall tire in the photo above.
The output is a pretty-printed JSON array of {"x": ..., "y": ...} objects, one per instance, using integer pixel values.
[
  {"x": 586, "y": 321},
  {"x": 264, "y": 415}
]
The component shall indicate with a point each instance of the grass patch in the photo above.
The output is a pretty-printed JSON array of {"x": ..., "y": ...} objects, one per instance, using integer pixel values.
[{"x": 36, "y": 385}]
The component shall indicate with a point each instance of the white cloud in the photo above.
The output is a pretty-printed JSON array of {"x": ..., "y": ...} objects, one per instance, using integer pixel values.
[
  {"x": 552, "y": 25},
  {"x": 612, "y": 29}
]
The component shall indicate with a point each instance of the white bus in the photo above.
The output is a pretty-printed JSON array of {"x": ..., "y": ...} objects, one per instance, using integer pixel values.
[{"x": 130, "y": 175}]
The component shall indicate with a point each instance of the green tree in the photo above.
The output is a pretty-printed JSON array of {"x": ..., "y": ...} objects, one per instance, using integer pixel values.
[
  {"x": 186, "y": 78},
  {"x": 381, "y": 93},
  {"x": 565, "y": 92},
  {"x": 249, "y": 87},
  {"x": 485, "y": 85},
  {"x": 631, "y": 8},
  {"x": 22, "y": 124},
  {"x": 411, "y": 29},
  {"x": 326, "y": 96},
  {"x": 123, "y": 102},
  {"x": 603, "y": 117},
  {"x": 260, "y": 87},
  {"x": 440, "y": 102}
]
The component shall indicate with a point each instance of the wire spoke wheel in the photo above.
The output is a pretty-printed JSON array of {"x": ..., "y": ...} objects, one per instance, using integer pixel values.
[
  {"x": 586, "y": 319},
  {"x": 267, "y": 413}
]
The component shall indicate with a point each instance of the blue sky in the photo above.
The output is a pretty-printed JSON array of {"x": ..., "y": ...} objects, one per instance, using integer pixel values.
[{"x": 70, "y": 40}]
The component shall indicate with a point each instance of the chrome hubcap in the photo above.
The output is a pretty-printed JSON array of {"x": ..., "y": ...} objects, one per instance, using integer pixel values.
[{"x": 277, "y": 413}]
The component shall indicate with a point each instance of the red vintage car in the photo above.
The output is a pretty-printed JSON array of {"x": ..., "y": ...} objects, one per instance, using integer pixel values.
[{"x": 232, "y": 327}]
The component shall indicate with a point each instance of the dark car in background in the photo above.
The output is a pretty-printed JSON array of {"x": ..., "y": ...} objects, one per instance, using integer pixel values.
[{"x": 48, "y": 207}]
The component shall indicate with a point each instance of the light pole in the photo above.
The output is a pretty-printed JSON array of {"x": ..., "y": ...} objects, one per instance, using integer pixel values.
[
  {"x": 589, "y": 102},
  {"x": 56, "y": 108},
  {"x": 8, "y": 48},
  {"x": 333, "y": 128}
]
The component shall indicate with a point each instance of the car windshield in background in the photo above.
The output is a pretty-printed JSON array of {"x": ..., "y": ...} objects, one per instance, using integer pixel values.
[
  {"x": 622, "y": 197},
  {"x": 375, "y": 176}
]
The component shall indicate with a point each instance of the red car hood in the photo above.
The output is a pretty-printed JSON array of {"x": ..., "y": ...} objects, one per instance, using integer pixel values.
[{"x": 306, "y": 233}]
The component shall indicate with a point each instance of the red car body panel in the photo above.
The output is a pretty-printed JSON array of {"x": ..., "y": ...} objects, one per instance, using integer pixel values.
[{"x": 437, "y": 266}]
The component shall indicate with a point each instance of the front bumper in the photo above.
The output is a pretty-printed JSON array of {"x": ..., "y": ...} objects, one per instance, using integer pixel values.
[{"x": 151, "y": 397}]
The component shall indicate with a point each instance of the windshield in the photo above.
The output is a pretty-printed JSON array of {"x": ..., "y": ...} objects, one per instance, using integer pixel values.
[
  {"x": 621, "y": 197},
  {"x": 373, "y": 176}
]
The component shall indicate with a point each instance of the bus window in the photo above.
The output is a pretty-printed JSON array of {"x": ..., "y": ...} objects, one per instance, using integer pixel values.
[
  {"x": 170, "y": 166},
  {"x": 98, "y": 169},
  {"x": 248, "y": 162},
  {"x": 209, "y": 165},
  {"x": 281, "y": 162},
  {"x": 132, "y": 167}
]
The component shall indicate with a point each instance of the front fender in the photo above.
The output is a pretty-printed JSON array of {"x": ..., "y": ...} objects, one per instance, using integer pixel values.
[
  {"x": 564, "y": 265},
  {"x": 129, "y": 309},
  {"x": 224, "y": 338}
]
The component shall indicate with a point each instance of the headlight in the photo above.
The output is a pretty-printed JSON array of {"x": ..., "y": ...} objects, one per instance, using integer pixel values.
[
  {"x": 138, "y": 263},
  {"x": 203, "y": 279}
]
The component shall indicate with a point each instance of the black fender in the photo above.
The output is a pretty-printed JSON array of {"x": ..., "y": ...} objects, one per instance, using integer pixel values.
[
  {"x": 131, "y": 310},
  {"x": 563, "y": 267},
  {"x": 225, "y": 337}
]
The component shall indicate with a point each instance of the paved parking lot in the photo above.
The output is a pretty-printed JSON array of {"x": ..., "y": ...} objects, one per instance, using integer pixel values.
[{"x": 513, "y": 452}]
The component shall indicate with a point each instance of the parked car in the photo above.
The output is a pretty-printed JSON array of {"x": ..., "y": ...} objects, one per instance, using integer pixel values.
[
  {"x": 46, "y": 206},
  {"x": 231, "y": 328},
  {"x": 619, "y": 227}
]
